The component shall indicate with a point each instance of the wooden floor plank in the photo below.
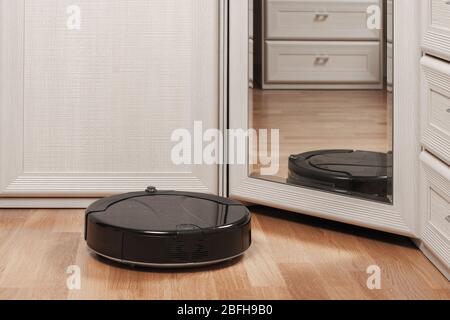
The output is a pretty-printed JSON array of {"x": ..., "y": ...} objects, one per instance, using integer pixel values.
[{"x": 292, "y": 257}]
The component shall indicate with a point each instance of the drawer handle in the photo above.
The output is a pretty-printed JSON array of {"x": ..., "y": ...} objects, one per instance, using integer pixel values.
[
  {"x": 321, "y": 16},
  {"x": 321, "y": 61},
  {"x": 448, "y": 110},
  {"x": 447, "y": 218}
]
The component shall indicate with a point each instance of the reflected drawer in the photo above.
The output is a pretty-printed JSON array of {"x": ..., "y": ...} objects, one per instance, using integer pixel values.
[
  {"x": 318, "y": 19},
  {"x": 436, "y": 107},
  {"x": 322, "y": 62}
]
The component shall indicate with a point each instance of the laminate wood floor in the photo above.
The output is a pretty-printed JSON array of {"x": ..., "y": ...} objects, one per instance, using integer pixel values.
[{"x": 292, "y": 257}]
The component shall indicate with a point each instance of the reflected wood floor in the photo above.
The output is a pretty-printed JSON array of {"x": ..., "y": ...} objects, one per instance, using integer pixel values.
[
  {"x": 323, "y": 119},
  {"x": 292, "y": 257}
]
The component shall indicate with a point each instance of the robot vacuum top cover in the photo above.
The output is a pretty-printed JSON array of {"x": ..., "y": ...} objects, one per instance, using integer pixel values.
[
  {"x": 346, "y": 171},
  {"x": 167, "y": 228}
]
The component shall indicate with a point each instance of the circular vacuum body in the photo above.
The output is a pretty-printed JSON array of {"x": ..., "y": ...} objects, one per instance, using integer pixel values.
[
  {"x": 167, "y": 228},
  {"x": 358, "y": 173}
]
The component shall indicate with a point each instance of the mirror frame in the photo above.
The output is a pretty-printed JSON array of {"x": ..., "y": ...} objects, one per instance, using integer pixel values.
[{"x": 399, "y": 217}]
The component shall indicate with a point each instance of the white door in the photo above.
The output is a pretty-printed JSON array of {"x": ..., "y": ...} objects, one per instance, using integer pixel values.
[
  {"x": 399, "y": 214},
  {"x": 91, "y": 91}
]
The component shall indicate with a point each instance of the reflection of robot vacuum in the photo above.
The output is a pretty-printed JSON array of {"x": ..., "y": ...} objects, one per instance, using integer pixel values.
[
  {"x": 167, "y": 228},
  {"x": 357, "y": 173}
]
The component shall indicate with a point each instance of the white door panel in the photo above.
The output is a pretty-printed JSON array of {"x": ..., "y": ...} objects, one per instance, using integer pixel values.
[
  {"x": 90, "y": 111},
  {"x": 399, "y": 217}
]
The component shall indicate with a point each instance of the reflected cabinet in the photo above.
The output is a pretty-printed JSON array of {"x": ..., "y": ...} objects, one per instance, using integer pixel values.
[{"x": 321, "y": 73}]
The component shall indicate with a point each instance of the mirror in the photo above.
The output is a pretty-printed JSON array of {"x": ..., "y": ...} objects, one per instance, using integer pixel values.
[{"x": 321, "y": 87}]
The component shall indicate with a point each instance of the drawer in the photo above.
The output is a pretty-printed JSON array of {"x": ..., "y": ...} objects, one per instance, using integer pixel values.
[
  {"x": 440, "y": 213},
  {"x": 322, "y": 62},
  {"x": 319, "y": 20},
  {"x": 436, "y": 107},
  {"x": 390, "y": 20},
  {"x": 251, "y": 14},
  {"x": 436, "y": 206},
  {"x": 250, "y": 61},
  {"x": 437, "y": 35},
  {"x": 389, "y": 64}
]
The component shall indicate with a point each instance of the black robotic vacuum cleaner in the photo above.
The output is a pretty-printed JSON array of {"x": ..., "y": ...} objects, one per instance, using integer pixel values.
[
  {"x": 167, "y": 228},
  {"x": 357, "y": 173}
]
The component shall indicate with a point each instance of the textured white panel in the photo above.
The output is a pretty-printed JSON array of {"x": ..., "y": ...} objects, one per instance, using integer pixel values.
[
  {"x": 107, "y": 97},
  {"x": 90, "y": 112}
]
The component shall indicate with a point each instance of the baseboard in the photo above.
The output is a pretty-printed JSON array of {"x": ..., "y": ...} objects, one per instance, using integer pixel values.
[
  {"x": 433, "y": 258},
  {"x": 46, "y": 203}
]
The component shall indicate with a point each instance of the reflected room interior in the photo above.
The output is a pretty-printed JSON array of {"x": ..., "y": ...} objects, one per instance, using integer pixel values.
[{"x": 323, "y": 76}]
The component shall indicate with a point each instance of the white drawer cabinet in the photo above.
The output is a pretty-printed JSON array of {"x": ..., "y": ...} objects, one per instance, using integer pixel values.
[
  {"x": 437, "y": 27},
  {"x": 319, "y": 44},
  {"x": 436, "y": 107},
  {"x": 322, "y": 62},
  {"x": 332, "y": 20},
  {"x": 436, "y": 208},
  {"x": 435, "y": 133}
]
